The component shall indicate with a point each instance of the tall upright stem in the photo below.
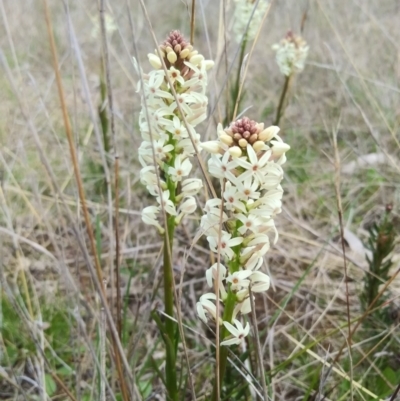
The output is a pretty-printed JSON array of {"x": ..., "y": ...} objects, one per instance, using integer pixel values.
[
  {"x": 170, "y": 326},
  {"x": 280, "y": 109}
]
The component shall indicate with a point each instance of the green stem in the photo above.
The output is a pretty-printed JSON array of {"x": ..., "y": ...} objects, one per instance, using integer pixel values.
[
  {"x": 280, "y": 109},
  {"x": 230, "y": 303},
  {"x": 170, "y": 326}
]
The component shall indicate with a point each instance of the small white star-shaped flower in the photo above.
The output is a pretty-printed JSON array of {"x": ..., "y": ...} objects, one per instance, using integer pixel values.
[
  {"x": 181, "y": 168},
  {"x": 239, "y": 279},
  {"x": 221, "y": 167},
  {"x": 226, "y": 244},
  {"x": 205, "y": 304},
  {"x": 232, "y": 199},
  {"x": 238, "y": 332},
  {"x": 254, "y": 166},
  {"x": 168, "y": 205}
]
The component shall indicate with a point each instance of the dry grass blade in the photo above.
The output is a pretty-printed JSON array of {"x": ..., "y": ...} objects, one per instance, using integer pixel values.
[
  {"x": 342, "y": 240},
  {"x": 116, "y": 169}
]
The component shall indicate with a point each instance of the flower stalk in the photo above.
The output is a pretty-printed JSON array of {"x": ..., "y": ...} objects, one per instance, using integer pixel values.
[
  {"x": 291, "y": 55},
  {"x": 280, "y": 108}
]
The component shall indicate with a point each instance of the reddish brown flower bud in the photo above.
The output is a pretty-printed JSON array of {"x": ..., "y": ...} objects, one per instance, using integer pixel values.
[{"x": 242, "y": 130}]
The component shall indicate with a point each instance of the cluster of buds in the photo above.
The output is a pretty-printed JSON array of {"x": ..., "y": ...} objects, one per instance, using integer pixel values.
[
  {"x": 243, "y": 13},
  {"x": 247, "y": 159},
  {"x": 173, "y": 103},
  {"x": 291, "y": 54}
]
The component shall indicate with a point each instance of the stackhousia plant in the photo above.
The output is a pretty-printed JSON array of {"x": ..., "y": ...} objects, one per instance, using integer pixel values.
[
  {"x": 247, "y": 159},
  {"x": 174, "y": 102}
]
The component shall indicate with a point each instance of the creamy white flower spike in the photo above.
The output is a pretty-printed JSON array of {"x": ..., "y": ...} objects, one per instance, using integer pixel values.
[
  {"x": 243, "y": 13},
  {"x": 166, "y": 138},
  {"x": 291, "y": 54},
  {"x": 247, "y": 159}
]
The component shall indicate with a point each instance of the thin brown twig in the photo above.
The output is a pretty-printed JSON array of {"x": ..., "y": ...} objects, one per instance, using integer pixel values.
[
  {"x": 63, "y": 386},
  {"x": 192, "y": 15},
  {"x": 394, "y": 395}
]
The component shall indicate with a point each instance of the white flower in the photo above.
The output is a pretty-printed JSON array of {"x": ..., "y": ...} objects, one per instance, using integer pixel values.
[
  {"x": 259, "y": 281},
  {"x": 273, "y": 176},
  {"x": 221, "y": 167},
  {"x": 232, "y": 199},
  {"x": 254, "y": 262},
  {"x": 206, "y": 305},
  {"x": 176, "y": 128},
  {"x": 175, "y": 76},
  {"x": 226, "y": 244},
  {"x": 272, "y": 197},
  {"x": 148, "y": 177},
  {"x": 198, "y": 78},
  {"x": 209, "y": 225},
  {"x": 149, "y": 216},
  {"x": 211, "y": 147},
  {"x": 254, "y": 166},
  {"x": 161, "y": 150},
  {"x": 188, "y": 206},
  {"x": 279, "y": 148},
  {"x": 181, "y": 168},
  {"x": 250, "y": 222},
  {"x": 268, "y": 209},
  {"x": 243, "y": 307},
  {"x": 187, "y": 146},
  {"x": 268, "y": 133},
  {"x": 239, "y": 279},
  {"x": 153, "y": 87},
  {"x": 238, "y": 332},
  {"x": 169, "y": 206},
  {"x": 247, "y": 188},
  {"x": 154, "y": 61},
  {"x": 261, "y": 242},
  {"x": 191, "y": 186},
  {"x": 211, "y": 221},
  {"x": 211, "y": 275}
]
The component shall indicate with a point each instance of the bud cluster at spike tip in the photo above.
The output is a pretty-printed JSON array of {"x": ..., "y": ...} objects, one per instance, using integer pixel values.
[
  {"x": 248, "y": 160},
  {"x": 165, "y": 136}
]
